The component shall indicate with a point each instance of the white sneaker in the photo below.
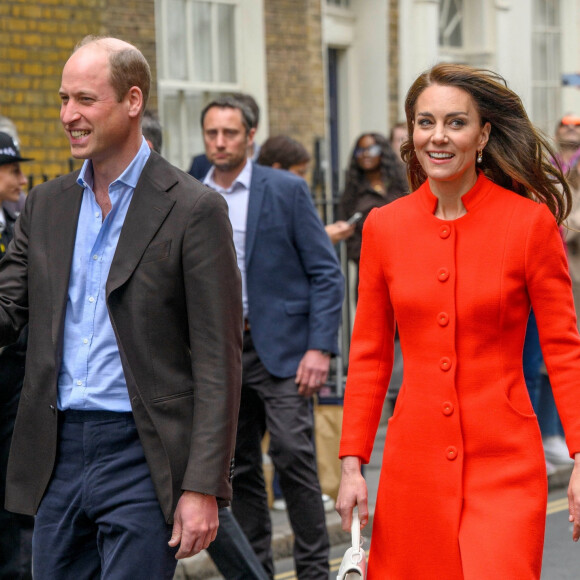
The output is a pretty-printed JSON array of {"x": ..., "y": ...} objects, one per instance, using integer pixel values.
[
  {"x": 556, "y": 450},
  {"x": 328, "y": 503},
  {"x": 279, "y": 505}
]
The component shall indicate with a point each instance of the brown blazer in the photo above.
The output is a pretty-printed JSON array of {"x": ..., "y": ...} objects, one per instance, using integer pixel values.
[{"x": 174, "y": 298}]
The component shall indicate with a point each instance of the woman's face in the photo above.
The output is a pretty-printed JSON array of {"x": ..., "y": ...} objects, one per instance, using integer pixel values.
[
  {"x": 368, "y": 153},
  {"x": 447, "y": 134},
  {"x": 12, "y": 180}
]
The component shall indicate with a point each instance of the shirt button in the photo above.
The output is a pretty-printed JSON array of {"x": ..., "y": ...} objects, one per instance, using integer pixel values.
[
  {"x": 85, "y": 341},
  {"x": 95, "y": 257},
  {"x": 91, "y": 299},
  {"x": 451, "y": 453},
  {"x": 443, "y": 319},
  {"x": 79, "y": 383},
  {"x": 447, "y": 408},
  {"x": 444, "y": 232},
  {"x": 443, "y": 274},
  {"x": 97, "y": 214},
  {"x": 445, "y": 363}
]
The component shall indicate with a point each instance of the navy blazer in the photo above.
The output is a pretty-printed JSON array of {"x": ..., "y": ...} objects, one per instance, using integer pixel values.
[{"x": 294, "y": 282}]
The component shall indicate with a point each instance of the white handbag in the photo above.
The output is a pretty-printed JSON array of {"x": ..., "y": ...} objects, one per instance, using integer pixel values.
[{"x": 354, "y": 563}]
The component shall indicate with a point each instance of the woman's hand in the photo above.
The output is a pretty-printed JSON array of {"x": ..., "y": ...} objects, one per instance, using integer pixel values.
[
  {"x": 352, "y": 492},
  {"x": 574, "y": 498}
]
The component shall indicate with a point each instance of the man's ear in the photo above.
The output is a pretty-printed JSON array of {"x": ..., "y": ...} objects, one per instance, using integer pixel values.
[
  {"x": 277, "y": 165},
  {"x": 251, "y": 134},
  {"x": 134, "y": 101}
]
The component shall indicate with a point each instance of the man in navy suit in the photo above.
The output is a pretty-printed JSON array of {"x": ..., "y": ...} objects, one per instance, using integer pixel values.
[{"x": 292, "y": 294}]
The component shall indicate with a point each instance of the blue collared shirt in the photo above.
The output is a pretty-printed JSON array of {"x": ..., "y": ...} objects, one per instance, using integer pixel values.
[
  {"x": 91, "y": 376},
  {"x": 237, "y": 197}
]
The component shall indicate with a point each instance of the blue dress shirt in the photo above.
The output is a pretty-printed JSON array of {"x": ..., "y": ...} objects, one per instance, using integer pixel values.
[
  {"x": 91, "y": 376},
  {"x": 237, "y": 197}
]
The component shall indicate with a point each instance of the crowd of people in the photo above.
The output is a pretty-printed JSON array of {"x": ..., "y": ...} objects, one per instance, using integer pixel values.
[{"x": 156, "y": 325}]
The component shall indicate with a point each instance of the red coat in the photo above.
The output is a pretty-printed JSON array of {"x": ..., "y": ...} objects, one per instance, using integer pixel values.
[{"x": 463, "y": 485}]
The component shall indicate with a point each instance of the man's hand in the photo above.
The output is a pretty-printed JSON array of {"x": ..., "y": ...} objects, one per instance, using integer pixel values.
[
  {"x": 195, "y": 523},
  {"x": 312, "y": 372}
]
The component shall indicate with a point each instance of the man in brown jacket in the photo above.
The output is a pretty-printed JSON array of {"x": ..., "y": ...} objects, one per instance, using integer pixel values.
[{"x": 126, "y": 273}]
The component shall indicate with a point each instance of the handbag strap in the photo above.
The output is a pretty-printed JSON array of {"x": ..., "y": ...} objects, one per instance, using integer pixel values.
[{"x": 355, "y": 530}]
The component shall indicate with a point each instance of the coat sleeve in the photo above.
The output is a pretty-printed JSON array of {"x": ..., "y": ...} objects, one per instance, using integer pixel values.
[
  {"x": 371, "y": 350},
  {"x": 214, "y": 311},
  {"x": 550, "y": 291},
  {"x": 322, "y": 268},
  {"x": 14, "y": 280}
]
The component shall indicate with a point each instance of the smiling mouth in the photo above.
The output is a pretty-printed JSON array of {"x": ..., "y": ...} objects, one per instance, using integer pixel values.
[
  {"x": 435, "y": 155},
  {"x": 79, "y": 134}
]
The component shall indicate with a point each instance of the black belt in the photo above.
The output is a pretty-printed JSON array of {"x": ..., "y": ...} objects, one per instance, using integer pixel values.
[{"x": 76, "y": 416}]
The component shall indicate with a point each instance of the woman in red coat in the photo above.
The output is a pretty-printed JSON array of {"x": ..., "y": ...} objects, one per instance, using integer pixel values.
[{"x": 457, "y": 264}]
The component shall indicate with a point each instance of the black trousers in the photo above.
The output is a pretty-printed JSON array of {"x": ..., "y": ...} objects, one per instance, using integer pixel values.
[{"x": 274, "y": 404}]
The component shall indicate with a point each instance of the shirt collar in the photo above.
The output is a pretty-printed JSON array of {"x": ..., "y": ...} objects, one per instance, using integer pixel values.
[
  {"x": 243, "y": 179},
  {"x": 129, "y": 177}
]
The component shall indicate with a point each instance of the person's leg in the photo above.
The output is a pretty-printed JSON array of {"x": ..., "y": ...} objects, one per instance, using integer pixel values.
[
  {"x": 232, "y": 553},
  {"x": 250, "y": 500},
  {"x": 289, "y": 421},
  {"x": 100, "y": 517},
  {"x": 532, "y": 361},
  {"x": 132, "y": 534},
  {"x": 15, "y": 529},
  {"x": 555, "y": 448},
  {"x": 64, "y": 541}
]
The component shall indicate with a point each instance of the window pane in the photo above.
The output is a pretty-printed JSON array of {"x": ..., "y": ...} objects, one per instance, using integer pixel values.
[
  {"x": 451, "y": 23},
  {"x": 227, "y": 43},
  {"x": 177, "y": 64},
  {"x": 202, "y": 48}
]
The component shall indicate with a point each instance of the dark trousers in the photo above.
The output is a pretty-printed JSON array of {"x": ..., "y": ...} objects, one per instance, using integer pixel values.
[
  {"x": 274, "y": 404},
  {"x": 100, "y": 517},
  {"x": 15, "y": 529},
  {"x": 232, "y": 553}
]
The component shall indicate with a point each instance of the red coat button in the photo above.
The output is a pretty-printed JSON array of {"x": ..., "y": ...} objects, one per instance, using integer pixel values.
[
  {"x": 444, "y": 232},
  {"x": 447, "y": 408},
  {"x": 443, "y": 318},
  {"x": 445, "y": 363},
  {"x": 443, "y": 274},
  {"x": 451, "y": 453}
]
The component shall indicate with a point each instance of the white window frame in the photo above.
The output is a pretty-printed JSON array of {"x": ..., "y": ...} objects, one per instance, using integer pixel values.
[{"x": 249, "y": 54}]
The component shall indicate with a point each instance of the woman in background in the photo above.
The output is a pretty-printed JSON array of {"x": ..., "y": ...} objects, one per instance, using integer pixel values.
[{"x": 375, "y": 177}]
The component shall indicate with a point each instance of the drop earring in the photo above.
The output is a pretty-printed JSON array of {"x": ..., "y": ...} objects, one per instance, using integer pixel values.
[{"x": 480, "y": 156}]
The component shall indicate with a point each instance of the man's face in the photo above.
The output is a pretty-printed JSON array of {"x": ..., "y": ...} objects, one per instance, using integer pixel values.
[
  {"x": 225, "y": 138},
  {"x": 96, "y": 123}
]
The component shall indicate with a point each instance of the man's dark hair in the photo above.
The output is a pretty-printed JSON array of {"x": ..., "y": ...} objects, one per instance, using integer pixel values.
[
  {"x": 151, "y": 129},
  {"x": 251, "y": 103},
  {"x": 283, "y": 150},
  {"x": 230, "y": 102}
]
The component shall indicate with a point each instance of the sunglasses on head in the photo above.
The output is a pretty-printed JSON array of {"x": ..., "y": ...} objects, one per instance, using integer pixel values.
[
  {"x": 372, "y": 151},
  {"x": 570, "y": 121}
]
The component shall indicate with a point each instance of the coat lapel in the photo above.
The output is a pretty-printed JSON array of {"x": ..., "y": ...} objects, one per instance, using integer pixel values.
[
  {"x": 148, "y": 209},
  {"x": 257, "y": 188},
  {"x": 63, "y": 218}
]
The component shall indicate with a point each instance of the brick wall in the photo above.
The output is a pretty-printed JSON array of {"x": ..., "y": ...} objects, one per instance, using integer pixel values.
[
  {"x": 36, "y": 39},
  {"x": 295, "y": 69}
]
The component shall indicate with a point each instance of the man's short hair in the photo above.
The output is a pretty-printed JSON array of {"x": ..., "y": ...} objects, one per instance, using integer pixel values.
[
  {"x": 127, "y": 67},
  {"x": 151, "y": 128},
  {"x": 231, "y": 102},
  {"x": 251, "y": 103}
]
